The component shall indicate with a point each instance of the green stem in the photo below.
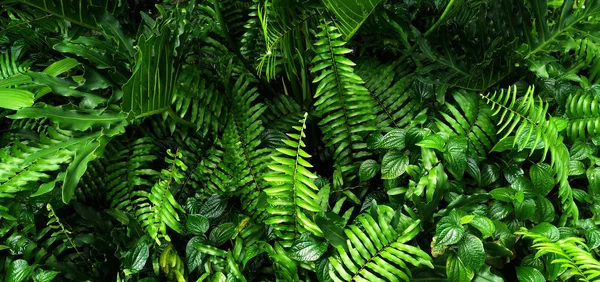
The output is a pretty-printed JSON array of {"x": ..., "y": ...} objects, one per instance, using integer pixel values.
[{"x": 441, "y": 19}]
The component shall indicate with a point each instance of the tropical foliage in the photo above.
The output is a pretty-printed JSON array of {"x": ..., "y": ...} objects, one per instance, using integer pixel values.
[{"x": 318, "y": 140}]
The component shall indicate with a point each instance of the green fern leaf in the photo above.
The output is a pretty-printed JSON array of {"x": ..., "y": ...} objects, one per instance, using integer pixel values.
[
  {"x": 571, "y": 252},
  {"x": 583, "y": 112},
  {"x": 161, "y": 210},
  {"x": 533, "y": 124},
  {"x": 377, "y": 252},
  {"x": 245, "y": 162},
  {"x": 293, "y": 193},
  {"x": 470, "y": 119},
  {"x": 342, "y": 101},
  {"x": 389, "y": 86}
]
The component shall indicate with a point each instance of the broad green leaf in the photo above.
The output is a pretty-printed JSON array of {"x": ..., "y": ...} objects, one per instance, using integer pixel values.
[
  {"x": 499, "y": 210},
  {"x": 471, "y": 252},
  {"x": 449, "y": 230},
  {"x": 332, "y": 226},
  {"x": 548, "y": 230},
  {"x": 524, "y": 210},
  {"x": 15, "y": 99},
  {"x": 45, "y": 275},
  {"x": 490, "y": 172},
  {"x": 542, "y": 177},
  {"x": 503, "y": 194},
  {"x": 18, "y": 271},
  {"x": 392, "y": 140},
  {"x": 393, "y": 164},
  {"x": 193, "y": 257},
  {"x": 456, "y": 156},
  {"x": 456, "y": 270},
  {"x": 60, "y": 67},
  {"x": 350, "y": 14},
  {"x": 307, "y": 248},
  {"x": 76, "y": 11},
  {"x": 78, "y": 167},
  {"x": 485, "y": 275},
  {"x": 65, "y": 87},
  {"x": 197, "y": 224},
  {"x": 150, "y": 89},
  {"x": 544, "y": 210},
  {"x": 434, "y": 141},
  {"x": 484, "y": 225},
  {"x": 80, "y": 120},
  {"x": 136, "y": 258},
  {"x": 529, "y": 274},
  {"x": 112, "y": 28},
  {"x": 214, "y": 207},
  {"x": 222, "y": 233},
  {"x": 368, "y": 169},
  {"x": 98, "y": 60},
  {"x": 322, "y": 268}
]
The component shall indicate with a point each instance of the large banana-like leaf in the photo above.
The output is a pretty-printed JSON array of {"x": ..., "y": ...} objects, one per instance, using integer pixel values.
[
  {"x": 75, "y": 11},
  {"x": 350, "y": 14},
  {"x": 150, "y": 88}
]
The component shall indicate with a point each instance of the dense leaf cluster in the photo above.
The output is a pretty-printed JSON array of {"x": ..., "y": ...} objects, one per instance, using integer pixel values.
[{"x": 318, "y": 140}]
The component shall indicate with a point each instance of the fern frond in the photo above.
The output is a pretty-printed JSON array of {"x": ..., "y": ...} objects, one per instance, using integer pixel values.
[
  {"x": 199, "y": 101},
  {"x": 377, "y": 252},
  {"x": 281, "y": 25},
  {"x": 572, "y": 254},
  {"x": 587, "y": 54},
  {"x": 342, "y": 101},
  {"x": 470, "y": 119},
  {"x": 283, "y": 113},
  {"x": 395, "y": 107},
  {"x": 293, "y": 193},
  {"x": 162, "y": 209},
  {"x": 128, "y": 169},
  {"x": 245, "y": 161},
  {"x": 583, "y": 113},
  {"x": 9, "y": 67},
  {"x": 249, "y": 46},
  {"x": 27, "y": 165},
  {"x": 533, "y": 124}
]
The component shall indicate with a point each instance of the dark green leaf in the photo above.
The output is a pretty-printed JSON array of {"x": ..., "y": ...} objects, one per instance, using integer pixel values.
[
  {"x": 470, "y": 252},
  {"x": 222, "y": 233},
  {"x": 457, "y": 271},
  {"x": 547, "y": 230},
  {"x": 70, "y": 119},
  {"x": 307, "y": 248},
  {"x": 214, "y": 207},
  {"x": 485, "y": 275},
  {"x": 449, "y": 230},
  {"x": 197, "y": 224},
  {"x": 78, "y": 167},
  {"x": 490, "y": 172},
  {"x": 393, "y": 164},
  {"x": 542, "y": 177},
  {"x": 525, "y": 210},
  {"x": 529, "y": 274},
  {"x": 193, "y": 257},
  {"x": 45, "y": 275},
  {"x": 18, "y": 271},
  {"x": 456, "y": 156},
  {"x": 484, "y": 225},
  {"x": 368, "y": 169},
  {"x": 136, "y": 258},
  {"x": 332, "y": 226}
]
